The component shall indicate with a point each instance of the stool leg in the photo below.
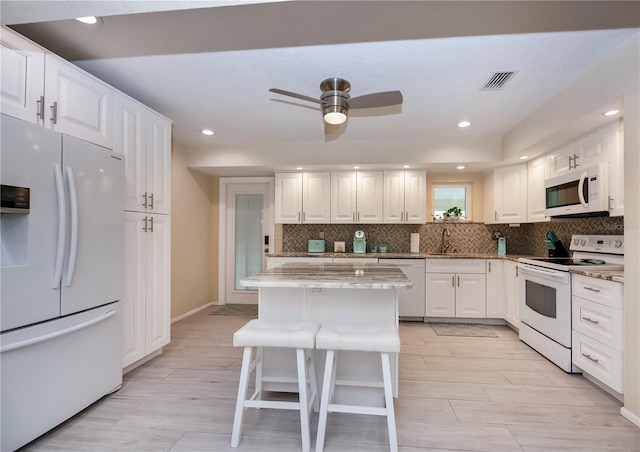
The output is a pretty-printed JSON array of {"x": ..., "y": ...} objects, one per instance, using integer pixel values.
[
  {"x": 242, "y": 396},
  {"x": 303, "y": 397},
  {"x": 313, "y": 382},
  {"x": 388, "y": 398},
  {"x": 260, "y": 358},
  {"x": 327, "y": 381}
]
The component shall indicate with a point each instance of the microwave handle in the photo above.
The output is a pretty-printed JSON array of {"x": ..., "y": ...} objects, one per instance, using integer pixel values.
[{"x": 583, "y": 201}]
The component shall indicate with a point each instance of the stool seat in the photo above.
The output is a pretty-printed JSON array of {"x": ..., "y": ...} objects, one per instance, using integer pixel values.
[
  {"x": 366, "y": 338},
  {"x": 261, "y": 333}
]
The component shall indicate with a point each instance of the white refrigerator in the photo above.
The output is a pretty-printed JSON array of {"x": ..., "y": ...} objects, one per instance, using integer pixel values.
[{"x": 61, "y": 278}]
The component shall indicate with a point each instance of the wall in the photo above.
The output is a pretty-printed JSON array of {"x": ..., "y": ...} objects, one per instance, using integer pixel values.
[{"x": 192, "y": 239}]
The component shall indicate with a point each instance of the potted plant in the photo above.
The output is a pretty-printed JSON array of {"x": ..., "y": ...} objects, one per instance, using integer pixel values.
[{"x": 453, "y": 213}]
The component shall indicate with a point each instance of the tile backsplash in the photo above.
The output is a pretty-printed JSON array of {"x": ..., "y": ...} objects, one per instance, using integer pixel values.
[{"x": 465, "y": 237}]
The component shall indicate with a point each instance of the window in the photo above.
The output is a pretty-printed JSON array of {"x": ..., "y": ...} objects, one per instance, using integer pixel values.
[{"x": 446, "y": 196}]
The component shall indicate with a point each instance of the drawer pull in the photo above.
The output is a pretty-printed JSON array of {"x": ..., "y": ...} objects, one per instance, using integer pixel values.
[
  {"x": 590, "y": 358},
  {"x": 590, "y": 320},
  {"x": 591, "y": 289}
]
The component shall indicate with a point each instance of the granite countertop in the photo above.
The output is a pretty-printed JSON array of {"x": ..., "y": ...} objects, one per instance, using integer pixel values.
[
  {"x": 331, "y": 276},
  {"x": 512, "y": 257},
  {"x": 609, "y": 275}
]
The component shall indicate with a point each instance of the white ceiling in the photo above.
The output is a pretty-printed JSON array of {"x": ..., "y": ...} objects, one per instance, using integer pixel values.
[{"x": 213, "y": 67}]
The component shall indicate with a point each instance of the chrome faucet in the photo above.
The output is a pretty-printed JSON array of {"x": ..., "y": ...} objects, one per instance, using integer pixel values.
[{"x": 445, "y": 241}]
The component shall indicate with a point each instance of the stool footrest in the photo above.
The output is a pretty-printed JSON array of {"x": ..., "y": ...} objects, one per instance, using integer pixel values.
[
  {"x": 360, "y": 384},
  {"x": 356, "y": 409},
  {"x": 275, "y": 404}
]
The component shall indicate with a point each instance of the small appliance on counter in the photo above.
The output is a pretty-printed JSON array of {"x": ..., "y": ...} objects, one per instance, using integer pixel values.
[
  {"x": 554, "y": 245},
  {"x": 315, "y": 246},
  {"x": 359, "y": 243}
]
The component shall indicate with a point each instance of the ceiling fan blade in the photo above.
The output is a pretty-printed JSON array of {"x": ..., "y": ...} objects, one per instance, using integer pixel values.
[
  {"x": 296, "y": 95},
  {"x": 374, "y": 100}
]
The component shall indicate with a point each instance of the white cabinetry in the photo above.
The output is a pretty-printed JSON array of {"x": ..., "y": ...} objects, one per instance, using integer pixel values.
[
  {"x": 356, "y": 197},
  {"x": 44, "y": 89},
  {"x": 405, "y": 197},
  {"x": 495, "y": 289},
  {"x": 147, "y": 285},
  {"x": 538, "y": 173},
  {"x": 303, "y": 198},
  {"x": 584, "y": 152},
  {"x": 616, "y": 175},
  {"x": 505, "y": 195},
  {"x": 598, "y": 329},
  {"x": 144, "y": 138},
  {"x": 456, "y": 288},
  {"x": 512, "y": 310}
]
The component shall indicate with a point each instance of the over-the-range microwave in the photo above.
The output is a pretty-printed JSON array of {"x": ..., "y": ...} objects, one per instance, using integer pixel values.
[{"x": 581, "y": 192}]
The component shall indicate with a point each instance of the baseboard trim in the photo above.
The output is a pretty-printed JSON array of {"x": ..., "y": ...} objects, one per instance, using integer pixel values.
[
  {"x": 193, "y": 311},
  {"x": 635, "y": 420}
]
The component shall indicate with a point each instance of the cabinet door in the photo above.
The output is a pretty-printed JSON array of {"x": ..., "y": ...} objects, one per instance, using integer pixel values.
[
  {"x": 130, "y": 139},
  {"x": 158, "y": 163},
  {"x": 369, "y": 198},
  {"x": 77, "y": 104},
  {"x": 561, "y": 160},
  {"x": 133, "y": 301},
  {"x": 158, "y": 282},
  {"x": 510, "y": 192},
  {"x": 495, "y": 289},
  {"x": 22, "y": 78},
  {"x": 288, "y": 202},
  {"x": 538, "y": 172},
  {"x": 415, "y": 196},
  {"x": 511, "y": 284},
  {"x": 592, "y": 148},
  {"x": 393, "y": 197},
  {"x": 441, "y": 295},
  {"x": 316, "y": 197},
  {"x": 343, "y": 197},
  {"x": 616, "y": 178},
  {"x": 471, "y": 296}
]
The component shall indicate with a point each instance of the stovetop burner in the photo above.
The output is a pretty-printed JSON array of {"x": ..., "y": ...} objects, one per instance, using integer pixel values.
[{"x": 569, "y": 262}]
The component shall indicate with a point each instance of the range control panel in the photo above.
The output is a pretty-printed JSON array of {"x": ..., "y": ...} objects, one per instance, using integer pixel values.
[{"x": 611, "y": 244}]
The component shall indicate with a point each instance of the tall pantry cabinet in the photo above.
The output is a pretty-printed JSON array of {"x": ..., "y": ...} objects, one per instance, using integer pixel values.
[{"x": 144, "y": 137}]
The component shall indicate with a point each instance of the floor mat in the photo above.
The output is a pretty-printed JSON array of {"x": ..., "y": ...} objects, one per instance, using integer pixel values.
[
  {"x": 236, "y": 309},
  {"x": 462, "y": 329}
]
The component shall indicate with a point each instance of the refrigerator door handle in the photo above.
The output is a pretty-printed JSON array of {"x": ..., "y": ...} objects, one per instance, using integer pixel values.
[
  {"x": 62, "y": 227},
  {"x": 73, "y": 207}
]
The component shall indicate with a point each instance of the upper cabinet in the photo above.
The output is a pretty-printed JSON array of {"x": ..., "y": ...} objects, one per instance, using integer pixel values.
[
  {"x": 303, "y": 198},
  {"x": 538, "y": 173},
  {"x": 43, "y": 89},
  {"x": 356, "y": 197},
  {"x": 405, "y": 197},
  {"x": 505, "y": 195},
  {"x": 586, "y": 151},
  {"x": 144, "y": 138}
]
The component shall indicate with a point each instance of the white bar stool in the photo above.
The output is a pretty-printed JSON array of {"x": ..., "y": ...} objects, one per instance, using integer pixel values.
[
  {"x": 368, "y": 338},
  {"x": 296, "y": 335}
]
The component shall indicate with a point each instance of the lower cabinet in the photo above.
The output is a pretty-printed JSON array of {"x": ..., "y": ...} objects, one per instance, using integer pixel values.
[
  {"x": 512, "y": 301},
  {"x": 495, "y": 289},
  {"x": 456, "y": 288},
  {"x": 147, "y": 285}
]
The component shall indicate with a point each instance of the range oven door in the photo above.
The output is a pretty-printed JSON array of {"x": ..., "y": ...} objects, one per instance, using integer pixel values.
[{"x": 545, "y": 301}]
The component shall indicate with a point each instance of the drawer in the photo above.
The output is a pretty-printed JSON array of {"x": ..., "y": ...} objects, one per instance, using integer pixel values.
[
  {"x": 608, "y": 293},
  {"x": 599, "y": 322},
  {"x": 455, "y": 265},
  {"x": 598, "y": 360}
]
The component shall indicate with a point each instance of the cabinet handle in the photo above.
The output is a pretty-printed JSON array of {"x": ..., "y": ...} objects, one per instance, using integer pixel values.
[
  {"x": 595, "y": 322},
  {"x": 458, "y": 281},
  {"x": 304, "y": 216},
  {"x": 453, "y": 281},
  {"x": 358, "y": 217},
  {"x": 144, "y": 204},
  {"x": 495, "y": 215},
  {"x": 570, "y": 160},
  {"x": 489, "y": 264},
  {"x": 575, "y": 161},
  {"x": 609, "y": 203},
  {"x": 406, "y": 217},
  {"x": 54, "y": 113},
  {"x": 298, "y": 217},
  {"x": 589, "y": 357},
  {"x": 517, "y": 271},
  {"x": 354, "y": 217},
  {"x": 151, "y": 201},
  {"x": 150, "y": 224},
  {"x": 40, "y": 108},
  {"x": 144, "y": 228},
  {"x": 591, "y": 289}
]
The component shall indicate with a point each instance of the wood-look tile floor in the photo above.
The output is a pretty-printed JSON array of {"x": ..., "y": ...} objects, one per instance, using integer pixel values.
[{"x": 455, "y": 394}]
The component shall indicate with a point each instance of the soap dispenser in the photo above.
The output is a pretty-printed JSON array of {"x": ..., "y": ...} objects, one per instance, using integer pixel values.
[{"x": 502, "y": 246}]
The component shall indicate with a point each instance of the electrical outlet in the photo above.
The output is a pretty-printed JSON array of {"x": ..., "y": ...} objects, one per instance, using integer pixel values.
[
  {"x": 321, "y": 235},
  {"x": 317, "y": 291}
]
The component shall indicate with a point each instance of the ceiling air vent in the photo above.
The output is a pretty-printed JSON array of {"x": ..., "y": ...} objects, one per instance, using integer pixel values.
[{"x": 498, "y": 80}]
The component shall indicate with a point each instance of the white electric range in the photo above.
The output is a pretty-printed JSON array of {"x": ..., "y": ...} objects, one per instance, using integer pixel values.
[{"x": 544, "y": 293}]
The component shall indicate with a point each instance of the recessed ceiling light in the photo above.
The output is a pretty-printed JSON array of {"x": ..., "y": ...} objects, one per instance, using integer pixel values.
[
  {"x": 356, "y": 167},
  {"x": 460, "y": 167},
  {"x": 524, "y": 157},
  {"x": 407, "y": 166},
  {"x": 612, "y": 112},
  {"x": 207, "y": 132},
  {"x": 464, "y": 124},
  {"x": 91, "y": 20},
  {"x": 298, "y": 167}
]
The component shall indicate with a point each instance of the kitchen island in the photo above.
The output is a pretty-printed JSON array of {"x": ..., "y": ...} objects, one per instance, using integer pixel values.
[{"x": 330, "y": 292}]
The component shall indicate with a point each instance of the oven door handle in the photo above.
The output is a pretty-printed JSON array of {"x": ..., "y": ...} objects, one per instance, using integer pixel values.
[{"x": 541, "y": 272}]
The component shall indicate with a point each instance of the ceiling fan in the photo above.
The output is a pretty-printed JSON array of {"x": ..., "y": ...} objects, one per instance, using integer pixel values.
[{"x": 335, "y": 100}]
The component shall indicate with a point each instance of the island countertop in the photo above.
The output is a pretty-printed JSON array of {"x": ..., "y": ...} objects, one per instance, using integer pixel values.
[{"x": 331, "y": 276}]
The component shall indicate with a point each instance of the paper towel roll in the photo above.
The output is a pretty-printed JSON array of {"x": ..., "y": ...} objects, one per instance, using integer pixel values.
[{"x": 415, "y": 243}]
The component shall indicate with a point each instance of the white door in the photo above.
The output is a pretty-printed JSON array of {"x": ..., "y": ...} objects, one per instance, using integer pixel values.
[{"x": 247, "y": 225}]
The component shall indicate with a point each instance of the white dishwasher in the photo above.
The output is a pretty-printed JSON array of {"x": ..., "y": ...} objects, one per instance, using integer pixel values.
[{"x": 411, "y": 302}]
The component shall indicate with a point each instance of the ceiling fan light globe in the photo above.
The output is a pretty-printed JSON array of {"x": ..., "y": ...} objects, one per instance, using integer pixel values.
[{"x": 335, "y": 117}]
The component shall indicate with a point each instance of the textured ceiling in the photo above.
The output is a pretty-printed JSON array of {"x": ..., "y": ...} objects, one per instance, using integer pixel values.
[{"x": 212, "y": 68}]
